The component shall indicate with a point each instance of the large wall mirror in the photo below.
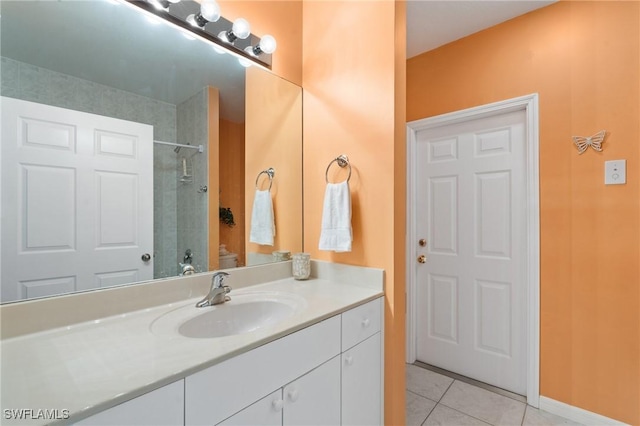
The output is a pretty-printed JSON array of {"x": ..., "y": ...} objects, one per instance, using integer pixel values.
[{"x": 95, "y": 189}]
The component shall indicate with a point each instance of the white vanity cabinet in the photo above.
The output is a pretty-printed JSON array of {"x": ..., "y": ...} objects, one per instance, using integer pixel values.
[
  {"x": 313, "y": 399},
  {"x": 361, "y": 359},
  {"x": 329, "y": 373},
  {"x": 161, "y": 407},
  {"x": 266, "y": 412},
  {"x": 218, "y": 392}
]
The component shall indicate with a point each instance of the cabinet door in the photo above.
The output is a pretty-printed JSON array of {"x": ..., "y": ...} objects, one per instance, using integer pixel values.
[
  {"x": 314, "y": 399},
  {"x": 164, "y": 406},
  {"x": 266, "y": 412},
  {"x": 362, "y": 383}
]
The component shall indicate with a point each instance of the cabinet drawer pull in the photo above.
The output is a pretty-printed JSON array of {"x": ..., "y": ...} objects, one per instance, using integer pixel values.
[
  {"x": 277, "y": 405},
  {"x": 293, "y": 395},
  {"x": 366, "y": 322},
  {"x": 348, "y": 360}
]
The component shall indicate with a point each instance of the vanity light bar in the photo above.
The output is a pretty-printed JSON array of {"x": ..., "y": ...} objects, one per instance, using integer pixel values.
[{"x": 244, "y": 49}]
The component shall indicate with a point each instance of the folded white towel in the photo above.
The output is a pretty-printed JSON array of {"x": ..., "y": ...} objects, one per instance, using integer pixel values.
[
  {"x": 263, "y": 228},
  {"x": 336, "y": 232}
]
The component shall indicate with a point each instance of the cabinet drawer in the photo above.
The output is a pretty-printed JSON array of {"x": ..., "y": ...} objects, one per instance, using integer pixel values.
[{"x": 361, "y": 322}]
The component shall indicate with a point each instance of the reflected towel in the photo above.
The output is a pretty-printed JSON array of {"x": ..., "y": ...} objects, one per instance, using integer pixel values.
[
  {"x": 336, "y": 232},
  {"x": 263, "y": 228}
]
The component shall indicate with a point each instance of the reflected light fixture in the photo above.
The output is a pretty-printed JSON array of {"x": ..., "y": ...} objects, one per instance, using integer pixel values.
[
  {"x": 240, "y": 30},
  {"x": 163, "y": 4},
  {"x": 245, "y": 62},
  {"x": 267, "y": 45},
  {"x": 209, "y": 12},
  {"x": 202, "y": 20}
]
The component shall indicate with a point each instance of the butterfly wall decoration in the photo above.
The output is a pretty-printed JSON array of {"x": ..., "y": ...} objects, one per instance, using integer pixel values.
[{"x": 595, "y": 141}]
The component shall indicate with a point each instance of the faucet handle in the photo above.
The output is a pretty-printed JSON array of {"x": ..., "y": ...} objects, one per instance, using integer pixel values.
[{"x": 218, "y": 278}]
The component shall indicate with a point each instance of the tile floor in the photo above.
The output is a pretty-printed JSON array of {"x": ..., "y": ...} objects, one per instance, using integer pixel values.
[{"x": 435, "y": 399}]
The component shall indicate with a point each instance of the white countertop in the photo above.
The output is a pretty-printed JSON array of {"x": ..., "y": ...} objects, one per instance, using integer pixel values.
[{"x": 91, "y": 366}]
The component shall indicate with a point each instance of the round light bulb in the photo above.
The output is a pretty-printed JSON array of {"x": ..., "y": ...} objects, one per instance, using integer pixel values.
[
  {"x": 268, "y": 44},
  {"x": 210, "y": 10},
  {"x": 219, "y": 50},
  {"x": 245, "y": 62},
  {"x": 241, "y": 28},
  {"x": 191, "y": 20}
]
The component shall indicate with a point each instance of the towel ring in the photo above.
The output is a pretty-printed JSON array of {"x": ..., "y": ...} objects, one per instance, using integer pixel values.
[
  {"x": 270, "y": 172},
  {"x": 343, "y": 161}
]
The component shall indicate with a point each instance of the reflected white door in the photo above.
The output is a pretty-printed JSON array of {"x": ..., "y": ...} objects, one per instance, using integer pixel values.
[
  {"x": 77, "y": 200},
  {"x": 471, "y": 212}
]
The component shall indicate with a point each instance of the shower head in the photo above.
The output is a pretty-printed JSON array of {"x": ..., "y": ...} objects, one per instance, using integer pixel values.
[{"x": 176, "y": 149}]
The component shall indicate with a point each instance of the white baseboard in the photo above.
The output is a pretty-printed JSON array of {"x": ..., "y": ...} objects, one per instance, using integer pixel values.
[{"x": 575, "y": 414}]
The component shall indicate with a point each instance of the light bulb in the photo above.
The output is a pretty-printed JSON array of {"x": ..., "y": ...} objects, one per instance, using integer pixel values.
[
  {"x": 160, "y": 5},
  {"x": 241, "y": 28},
  {"x": 191, "y": 20},
  {"x": 219, "y": 49},
  {"x": 268, "y": 44},
  {"x": 245, "y": 62},
  {"x": 210, "y": 10}
]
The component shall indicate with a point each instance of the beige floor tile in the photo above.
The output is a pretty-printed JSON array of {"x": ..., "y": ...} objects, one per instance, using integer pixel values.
[
  {"x": 535, "y": 417},
  {"x": 426, "y": 383},
  {"x": 483, "y": 404},
  {"x": 446, "y": 416},
  {"x": 418, "y": 408}
]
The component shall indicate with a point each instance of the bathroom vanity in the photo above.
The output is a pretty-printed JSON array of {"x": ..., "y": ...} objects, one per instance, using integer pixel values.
[{"x": 286, "y": 352}]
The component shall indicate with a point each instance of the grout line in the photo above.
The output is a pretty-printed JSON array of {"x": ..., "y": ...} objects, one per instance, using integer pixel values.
[
  {"x": 428, "y": 414},
  {"x": 421, "y": 396},
  {"x": 469, "y": 381},
  {"x": 524, "y": 414},
  {"x": 468, "y": 415},
  {"x": 447, "y": 390}
]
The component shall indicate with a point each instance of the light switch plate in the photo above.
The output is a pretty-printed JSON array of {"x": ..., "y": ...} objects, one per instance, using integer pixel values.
[{"x": 615, "y": 172}]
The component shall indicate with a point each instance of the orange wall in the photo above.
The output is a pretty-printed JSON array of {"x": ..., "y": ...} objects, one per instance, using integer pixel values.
[
  {"x": 231, "y": 170},
  {"x": 583, "y": 58},
  {"x": 349, "y": 107},
  {"x": 273, "y": 113},
  {"x": 281, "y": 19}
]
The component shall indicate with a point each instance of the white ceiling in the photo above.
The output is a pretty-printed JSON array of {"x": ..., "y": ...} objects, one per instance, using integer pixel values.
[{"x": 433, "y": 23}]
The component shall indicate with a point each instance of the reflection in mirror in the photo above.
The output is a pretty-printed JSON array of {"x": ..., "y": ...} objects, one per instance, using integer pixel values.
[{"x": 89, "y": 186}]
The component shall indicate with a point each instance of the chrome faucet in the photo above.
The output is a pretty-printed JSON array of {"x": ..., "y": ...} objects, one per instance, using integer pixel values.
[{"x": 218, "y": 292}]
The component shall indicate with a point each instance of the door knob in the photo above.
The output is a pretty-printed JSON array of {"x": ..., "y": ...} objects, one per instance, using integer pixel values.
[
  {"x": 422, "y": 259},
  {"x": 146, "y": 257}
]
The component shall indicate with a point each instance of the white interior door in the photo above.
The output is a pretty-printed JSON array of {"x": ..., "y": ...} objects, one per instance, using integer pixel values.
[
  {"x": 77, "y": 200},
  {"x": 470, "y": 209}
]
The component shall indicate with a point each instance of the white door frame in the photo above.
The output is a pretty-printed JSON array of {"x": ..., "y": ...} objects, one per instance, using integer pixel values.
[{"x": 529, "y": 104}]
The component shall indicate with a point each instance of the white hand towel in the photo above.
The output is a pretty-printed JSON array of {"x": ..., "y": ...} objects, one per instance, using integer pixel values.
[
  {"x": 263, "y": 228},
  {"x": 336, "y": 232}
]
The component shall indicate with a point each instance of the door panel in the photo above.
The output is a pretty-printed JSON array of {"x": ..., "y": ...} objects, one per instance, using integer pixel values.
[
  {"x": 471, "y": 293},
  {"x": 63, "y": 171}
]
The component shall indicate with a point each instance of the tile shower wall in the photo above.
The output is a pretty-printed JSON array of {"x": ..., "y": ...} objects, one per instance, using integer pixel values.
[
  {"x": 193, "y": 225},
  {"x": 28, "y": 82}
]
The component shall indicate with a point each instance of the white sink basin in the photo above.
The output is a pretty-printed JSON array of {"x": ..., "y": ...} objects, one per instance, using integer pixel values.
[{"x": 244, "y": 313}]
